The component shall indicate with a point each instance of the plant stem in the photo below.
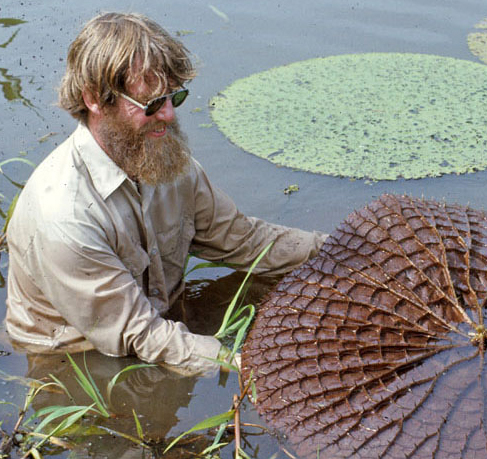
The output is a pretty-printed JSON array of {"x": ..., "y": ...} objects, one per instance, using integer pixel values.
[
  {"x": 285, "y": 451},
  {"x": 236, "y": 406},
  {"x": 7, "y": 442}
]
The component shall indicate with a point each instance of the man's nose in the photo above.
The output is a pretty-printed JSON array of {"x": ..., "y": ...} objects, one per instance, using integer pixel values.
[{"x": 166, "y": 112}]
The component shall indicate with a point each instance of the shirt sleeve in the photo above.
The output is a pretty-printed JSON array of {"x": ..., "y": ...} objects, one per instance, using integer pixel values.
[
  {"x": 224, "y": 233},
  {"x": 87, "y": 283}
]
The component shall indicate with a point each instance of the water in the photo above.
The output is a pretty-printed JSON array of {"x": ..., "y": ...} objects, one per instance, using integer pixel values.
[{"x": 257, "y": 36}]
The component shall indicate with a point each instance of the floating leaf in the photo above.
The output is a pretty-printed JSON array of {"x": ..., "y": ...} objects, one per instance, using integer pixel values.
[
  {"x": 219, "y": 13},
  {"x": 9, "y": 22},
  {"x": 291, "y": 189},
  {"x": 379, "y": 116},
  {"x": 477, "y": 41},
  {"x": 46, "y": 137},
  {"x": 183, "y": 33}
]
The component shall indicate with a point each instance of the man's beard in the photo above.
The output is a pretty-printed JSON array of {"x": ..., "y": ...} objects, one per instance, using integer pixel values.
[{"x": 147, "y": 160}]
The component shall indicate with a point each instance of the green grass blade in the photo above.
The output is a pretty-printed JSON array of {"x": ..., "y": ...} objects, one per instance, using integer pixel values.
[
  {"x": 67, "y": 422},
  {"x": 216, "y": 441},
  {"x": 10, "y": 212},
  {"x": 33, "y": 391},
  {"x": 56, "y": 412},
  {"x": 209, "y": 423},
  {"x": 242, "y": 454},
  {"x": 124, "y": 435},
  {"x": 122, "y": 374},
  {"x": 233, "y": 327},
  {"x": 42, "y": 412},
  {"x": 16, "y": 160},
  {"x": 85, "y": 384},
  {"x": 61, "y": 385},
  {"x": 242, "y": 331},
  {"x": 140, "y": 432},
  {"x": 3, "y": 402},
  {"x": 222, "y": 363},
  {"x": 228, "y": 313},
  {"x": 94, "y": 386},
  {"x": 219, "y": 434},
  {"x": 212, "y": 448},
  {"x": 254, "y": 389},
  {"x": 235, "y": 324}
]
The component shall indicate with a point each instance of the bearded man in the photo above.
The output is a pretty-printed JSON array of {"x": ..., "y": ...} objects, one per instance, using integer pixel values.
[{"x": 101, "y": 231}]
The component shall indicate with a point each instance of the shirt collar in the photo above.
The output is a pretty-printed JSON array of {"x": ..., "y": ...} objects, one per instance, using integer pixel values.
[{"x": 105, "y": 174}]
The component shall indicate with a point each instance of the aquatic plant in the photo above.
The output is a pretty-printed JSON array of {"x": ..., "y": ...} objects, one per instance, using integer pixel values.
[
  {"x": 376, "y": 347},
  {"x": 378, "y": 116},
  {"x": 56, "y": 421},
  {"x": 7, "y": 215},
  {"x": 53, "y": 422},
  {"x": 477, "y": 41},
  {"x": 235, "y": 323}
]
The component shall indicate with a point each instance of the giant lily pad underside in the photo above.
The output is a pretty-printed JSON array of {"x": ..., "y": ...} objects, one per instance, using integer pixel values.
[
  {"x": 379, "y": 116},
  {"x": 375, "y": 348}
]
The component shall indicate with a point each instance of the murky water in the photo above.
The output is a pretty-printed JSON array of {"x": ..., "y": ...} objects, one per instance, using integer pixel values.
[{"x": 255, "y": 36}]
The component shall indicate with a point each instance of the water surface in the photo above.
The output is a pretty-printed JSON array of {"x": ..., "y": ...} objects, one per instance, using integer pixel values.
[{"x": 249, "y": 36}]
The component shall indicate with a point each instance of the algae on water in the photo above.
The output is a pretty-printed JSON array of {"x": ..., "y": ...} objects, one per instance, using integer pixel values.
[{"x": 378, "y": 116}]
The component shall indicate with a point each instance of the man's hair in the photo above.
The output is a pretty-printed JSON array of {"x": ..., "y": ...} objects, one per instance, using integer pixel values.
[{"x": 110, "y": 49}]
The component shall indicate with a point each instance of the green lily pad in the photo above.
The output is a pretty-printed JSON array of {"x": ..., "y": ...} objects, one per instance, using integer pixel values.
[
  {"x": 378, "y": 116},
  {"x": 477, "y": 42}
]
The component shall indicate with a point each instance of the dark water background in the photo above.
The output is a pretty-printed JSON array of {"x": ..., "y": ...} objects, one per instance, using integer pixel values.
[{"x": 254, "y": 36}]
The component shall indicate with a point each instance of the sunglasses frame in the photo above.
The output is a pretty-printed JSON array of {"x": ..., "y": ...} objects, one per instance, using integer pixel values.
[{"x": 147, "y": 107}]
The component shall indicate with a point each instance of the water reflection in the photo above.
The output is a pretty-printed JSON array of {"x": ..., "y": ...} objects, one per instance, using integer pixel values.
[
  {"x": 11, "y": 84},
  {"x": 158, "y": 395},
  {"x": 12, "y": 87}
]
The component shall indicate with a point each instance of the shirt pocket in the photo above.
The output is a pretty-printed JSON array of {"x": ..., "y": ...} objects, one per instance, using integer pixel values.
[
  {"x": 174, "y": 244},
  {"x": 136, "y": 260}
]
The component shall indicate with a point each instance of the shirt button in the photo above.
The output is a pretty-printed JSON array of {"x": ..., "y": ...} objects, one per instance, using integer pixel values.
[
  {"x": 153, "y": 251},
  {"x": 155, "y": 291}
]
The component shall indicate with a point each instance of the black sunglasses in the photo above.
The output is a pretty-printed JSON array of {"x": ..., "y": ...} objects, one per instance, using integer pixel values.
[{"x": 177, "y": 98}]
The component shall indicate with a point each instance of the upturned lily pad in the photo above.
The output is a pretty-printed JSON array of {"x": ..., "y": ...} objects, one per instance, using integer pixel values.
[
  {"x": 379, "y": 116},
  {"x": 376, "y": 347}
]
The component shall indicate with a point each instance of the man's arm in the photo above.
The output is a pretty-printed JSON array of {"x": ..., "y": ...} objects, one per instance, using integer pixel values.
[
  {"x": 224, "y": 233},
  {"x": 89, "y": 286}
]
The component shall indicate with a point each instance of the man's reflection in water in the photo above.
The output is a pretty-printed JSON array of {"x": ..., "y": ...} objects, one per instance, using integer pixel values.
[
  {"x": 157, "y": 393},
  {"x": 154, "y": 393}
]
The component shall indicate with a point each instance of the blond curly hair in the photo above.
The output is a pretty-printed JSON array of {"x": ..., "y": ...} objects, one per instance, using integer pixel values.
[{"x": 113, "y": 50}]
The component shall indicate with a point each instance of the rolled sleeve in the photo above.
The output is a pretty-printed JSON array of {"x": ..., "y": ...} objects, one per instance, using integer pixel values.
[{"x": 224, "y": 233}]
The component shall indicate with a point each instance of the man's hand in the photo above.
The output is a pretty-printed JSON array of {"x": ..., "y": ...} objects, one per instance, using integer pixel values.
[{"x": 225, "y": 355}]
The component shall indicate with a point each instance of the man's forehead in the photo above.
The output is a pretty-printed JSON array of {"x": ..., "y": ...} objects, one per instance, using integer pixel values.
[{"x": 147, "y": 84}]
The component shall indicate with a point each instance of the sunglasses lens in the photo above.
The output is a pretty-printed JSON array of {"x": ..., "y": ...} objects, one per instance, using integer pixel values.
[
  {"x": 155, "y": 105},
  {"x": 179, "y": 97}
]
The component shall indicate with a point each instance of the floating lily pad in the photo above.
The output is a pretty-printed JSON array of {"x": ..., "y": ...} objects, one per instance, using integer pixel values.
[
  {"x": 379, "y": 116},
  {"x": 477, "y": 41}
]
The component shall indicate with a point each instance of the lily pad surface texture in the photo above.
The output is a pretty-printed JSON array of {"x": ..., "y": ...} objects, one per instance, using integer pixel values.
[
  {"x": 378, "y": 116},
  {"x": 375, "y": 348}
]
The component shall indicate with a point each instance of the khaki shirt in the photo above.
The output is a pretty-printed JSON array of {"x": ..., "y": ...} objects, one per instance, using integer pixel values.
[{"x": 96, "y": 261}]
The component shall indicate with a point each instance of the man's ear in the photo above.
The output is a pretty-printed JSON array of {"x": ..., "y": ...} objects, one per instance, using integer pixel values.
[{"x": 92, "y": 102}]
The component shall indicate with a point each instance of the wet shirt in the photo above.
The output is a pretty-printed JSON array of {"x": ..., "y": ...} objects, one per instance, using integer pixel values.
[{"x": 97, "y": 260}]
